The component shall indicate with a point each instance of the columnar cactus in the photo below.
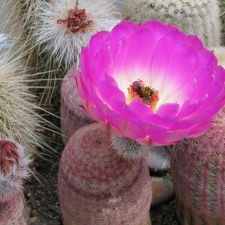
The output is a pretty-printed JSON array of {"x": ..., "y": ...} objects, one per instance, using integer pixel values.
[
  {"x": 13, "y": 172},
  {"x": 96, "y": 186},
  {"x": 72, "y": 115},
  {"x": 197, "y": 167},
  {"x": 196, "y": 17}
]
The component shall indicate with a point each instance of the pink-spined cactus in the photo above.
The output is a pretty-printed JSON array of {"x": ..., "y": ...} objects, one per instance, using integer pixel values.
[
  {"x": 72, "y": 115},
  {"x": 97, "y": 187},
  {"x": 13, "y": 171},
  {"x": 197, "y": 167}
]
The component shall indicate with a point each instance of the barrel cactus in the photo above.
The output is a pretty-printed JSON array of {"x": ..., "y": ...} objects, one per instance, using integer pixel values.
[
  {"x": 13, "y": 171},
  {"x": 96, "y": 186},
  {"x": 197, "y": 167},
  {"x": 196, "y": 17}
]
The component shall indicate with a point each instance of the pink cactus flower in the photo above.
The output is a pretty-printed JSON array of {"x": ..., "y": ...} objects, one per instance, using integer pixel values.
[{"x": 150, "y": 83}]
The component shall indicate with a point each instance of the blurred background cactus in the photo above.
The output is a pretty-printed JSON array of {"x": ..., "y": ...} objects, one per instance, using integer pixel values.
[
  {"x": 196, "y": 17},
  {"x": 197, "y": 167},
  {"x": 13, "y": 172},
  {"x": 222, "y": 17},
  {"x": 96, "y": 186}
]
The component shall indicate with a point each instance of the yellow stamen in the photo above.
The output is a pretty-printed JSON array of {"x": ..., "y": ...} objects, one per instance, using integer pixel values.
[{"x": 145, "y": 94}]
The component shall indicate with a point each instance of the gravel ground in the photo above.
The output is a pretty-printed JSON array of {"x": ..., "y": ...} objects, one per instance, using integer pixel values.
[{"x": 42, "y": 200}]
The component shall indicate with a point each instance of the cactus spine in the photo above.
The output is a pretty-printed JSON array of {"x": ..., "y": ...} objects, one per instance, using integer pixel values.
[
  {"x": 197, "y": 167},
  {"x": 195, "y": 17},
  {"x": 13, "y": 171},
  {"x": 96, "y": 186}
]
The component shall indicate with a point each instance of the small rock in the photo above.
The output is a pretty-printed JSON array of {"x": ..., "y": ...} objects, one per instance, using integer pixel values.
[
  {"x": 162, "y": 191},
  {"x": 52, "y": 222},
  {"x": 158, "y": 158},
  {"x": 34, "y": 220}
]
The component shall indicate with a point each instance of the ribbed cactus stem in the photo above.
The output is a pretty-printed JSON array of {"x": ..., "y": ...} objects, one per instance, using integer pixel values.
[
  {"x": 97, "y": 187},
  {"x": 13, "y": 172},
  {"x": 197, "y": 167},
  {"x": 195, "y": 17},
  {"x": 72, "y": 115}
]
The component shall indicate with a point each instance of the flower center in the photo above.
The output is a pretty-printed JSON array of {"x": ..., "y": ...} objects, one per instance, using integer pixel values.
[
  {"x": 77, "y": 19},
  {"x": 143, "y": 93}
]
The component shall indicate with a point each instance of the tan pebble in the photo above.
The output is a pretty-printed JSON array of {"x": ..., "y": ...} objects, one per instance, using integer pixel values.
[
  {"x": 34, "y": 220},
  {"x": 162, "y": 191},
  {"x": 158, "y": 159}
]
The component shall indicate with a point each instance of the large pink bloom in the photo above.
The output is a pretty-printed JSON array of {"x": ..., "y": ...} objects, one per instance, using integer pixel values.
[{"x": 187, "y": 84}]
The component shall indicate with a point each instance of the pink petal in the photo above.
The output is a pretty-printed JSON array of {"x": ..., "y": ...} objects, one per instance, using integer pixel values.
[
  {"x": 159, "y": 29},
  {"x": 162, "y": 57},
  {"x": 170, "y": 109},
  {"x": 142, "y": 109},
  {"x": 207, "y": 58},
  {"x": 108, "y": 89},
  {"x": 117, "y": 43},
  {"x": 143, "y": 49},
  {"x": 188, "y": 109},
  {"x": 181, "y": 74},
  {"x": 125, "y": 110},
  {"x": 201, "y": 84},
  {"x": 124, "y": 30},
  {"x": 195, "y": 42},
  {"x": 163, "y": 121}
]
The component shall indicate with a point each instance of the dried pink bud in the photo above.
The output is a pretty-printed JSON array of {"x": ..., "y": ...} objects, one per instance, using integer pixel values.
[
  {"x": 8, "y": 155},
  {"x": 77, "y": 19},
  {"x": 14, "y": 169}
]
